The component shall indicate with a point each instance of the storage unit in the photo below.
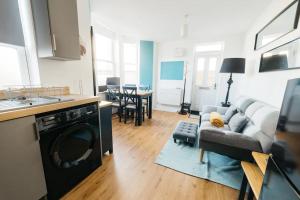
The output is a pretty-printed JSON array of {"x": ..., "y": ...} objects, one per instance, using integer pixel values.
[
  {"x": 56, "y": 29},
  {"x": 21, "y": 168},
  {"x": 106, "y": 128}
]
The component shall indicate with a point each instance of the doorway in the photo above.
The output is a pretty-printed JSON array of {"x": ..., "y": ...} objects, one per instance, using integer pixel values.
[{"x": 206, "y": 68}]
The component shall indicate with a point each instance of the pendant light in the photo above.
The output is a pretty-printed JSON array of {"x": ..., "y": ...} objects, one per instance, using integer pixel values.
[{"x": 184, "y": 28}]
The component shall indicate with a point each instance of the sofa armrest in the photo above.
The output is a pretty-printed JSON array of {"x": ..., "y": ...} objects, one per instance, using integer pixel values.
[
  {"x": 230, "y": 138},
  {"x": 212, "y": 130},
  {"x": 210, "y": 108}
]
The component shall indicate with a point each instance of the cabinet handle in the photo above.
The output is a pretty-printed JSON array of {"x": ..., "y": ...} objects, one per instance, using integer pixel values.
[
  {"x": 89, "y": 112},
  {"x": 54, "y": 42},
  {"x": 37, "y": 132}
]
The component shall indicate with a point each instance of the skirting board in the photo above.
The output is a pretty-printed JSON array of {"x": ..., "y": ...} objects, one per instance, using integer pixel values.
[{"x": 166, "y": 108}]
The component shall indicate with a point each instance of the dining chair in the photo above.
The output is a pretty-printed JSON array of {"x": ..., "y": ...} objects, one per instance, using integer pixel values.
[
  {"x": 113, "y": 81},
  {"x": 131, "y": 103},
  {"x": 129, "y": 85},
  {"x": 144, "y": 87},
  {"x": 115, "y": 96},
  {"x": 145, "y": 99}
]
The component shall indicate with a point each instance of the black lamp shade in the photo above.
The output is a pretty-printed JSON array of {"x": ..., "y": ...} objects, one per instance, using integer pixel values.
[{"x": 233, "y": 65}]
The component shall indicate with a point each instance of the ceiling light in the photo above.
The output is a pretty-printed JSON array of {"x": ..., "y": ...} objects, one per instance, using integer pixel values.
[{"x": 184, "y": 28}]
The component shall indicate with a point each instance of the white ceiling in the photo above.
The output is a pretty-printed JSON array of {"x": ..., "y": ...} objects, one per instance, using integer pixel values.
[{"x": 162, "y": 19}]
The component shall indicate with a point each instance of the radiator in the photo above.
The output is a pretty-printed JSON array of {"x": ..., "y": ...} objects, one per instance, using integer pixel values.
[{"x": 170, "y": 96}]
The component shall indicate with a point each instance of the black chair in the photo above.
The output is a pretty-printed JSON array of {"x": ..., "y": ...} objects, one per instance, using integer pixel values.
[
  {"x": 131, "y": 104},
  {"x": 145, "y": 99},
  {"x": 102, "y": 88},
  {"x": 115, "y": 96},
  {"x": 144, "y": 87},
  {"x": 113, "y": 81},
  {"x": 129, "y": 85}
]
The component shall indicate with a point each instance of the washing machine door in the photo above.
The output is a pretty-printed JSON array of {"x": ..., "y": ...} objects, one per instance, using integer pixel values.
[{"x": 74, "y": 145}]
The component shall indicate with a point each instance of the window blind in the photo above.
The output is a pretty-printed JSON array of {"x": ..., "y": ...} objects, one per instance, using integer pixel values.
[{"x": 10, "y": 23}]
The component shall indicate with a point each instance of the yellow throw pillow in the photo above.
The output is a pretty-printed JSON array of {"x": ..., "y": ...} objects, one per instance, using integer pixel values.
[{"x": 216, "y": 119}]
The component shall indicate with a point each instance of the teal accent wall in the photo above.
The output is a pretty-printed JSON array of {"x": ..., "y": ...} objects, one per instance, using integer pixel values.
[
  {"x": 146, "y": 62},
  {"x": 172, "y": 70}
]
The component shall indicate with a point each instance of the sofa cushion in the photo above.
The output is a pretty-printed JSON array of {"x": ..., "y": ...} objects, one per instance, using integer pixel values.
[
  {"x": 229, "y": 113},
  {"x": 266, "y": 120},
  {"x": 207, "y": 124},
  {"x": 262, "y": 126},
  {"x": 216, "y": 119},
  {"x": 254, "y": 132},
  {"x": 253, "y": 108},
  {"x": 205, "y": 117},
  {"x": 237, "y": 122},
  {"x": 242, "y": 103}
]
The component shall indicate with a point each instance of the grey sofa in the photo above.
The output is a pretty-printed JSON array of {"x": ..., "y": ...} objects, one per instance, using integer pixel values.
[{"x": 257, "y": 135}]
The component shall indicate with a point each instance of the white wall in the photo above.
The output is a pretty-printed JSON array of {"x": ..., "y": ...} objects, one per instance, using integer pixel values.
[
  {"x": 72, "y": 73},
  {"x": 233, "y": 47},
  {"x": 268, "y": 86}
]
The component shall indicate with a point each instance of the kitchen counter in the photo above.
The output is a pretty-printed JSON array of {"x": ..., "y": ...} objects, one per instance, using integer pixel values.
[
  {"x": 103, "y": 104},
  {"x": 77, "y": 100}
]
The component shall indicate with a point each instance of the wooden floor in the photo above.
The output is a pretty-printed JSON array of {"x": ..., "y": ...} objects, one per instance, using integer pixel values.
[{"x": 130, "y": 173}]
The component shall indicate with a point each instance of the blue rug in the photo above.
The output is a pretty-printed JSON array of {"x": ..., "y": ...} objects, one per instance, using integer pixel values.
[{"x": 216, "y": 168}]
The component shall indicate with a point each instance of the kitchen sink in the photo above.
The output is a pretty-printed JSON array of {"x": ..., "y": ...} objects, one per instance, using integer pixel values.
[{"x": 26, "y": 102}]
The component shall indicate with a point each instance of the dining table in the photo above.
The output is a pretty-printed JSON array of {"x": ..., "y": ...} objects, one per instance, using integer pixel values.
[{"x": 142, "y": 94}]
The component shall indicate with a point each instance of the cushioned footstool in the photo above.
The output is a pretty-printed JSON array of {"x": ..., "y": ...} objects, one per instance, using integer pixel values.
[{"x": 186, "y": 132}]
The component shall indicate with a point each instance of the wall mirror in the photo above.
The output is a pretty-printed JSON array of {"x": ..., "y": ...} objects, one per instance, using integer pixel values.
[
  {"x": 285, "y": 22},
  {"x": 283, "y": 57}
]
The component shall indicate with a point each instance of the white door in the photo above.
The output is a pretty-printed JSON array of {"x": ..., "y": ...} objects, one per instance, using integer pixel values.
[{"x": 205, "y": 85}]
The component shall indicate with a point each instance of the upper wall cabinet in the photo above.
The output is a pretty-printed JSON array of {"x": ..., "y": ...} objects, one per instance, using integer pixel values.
[{"x": 56, "y": 28}]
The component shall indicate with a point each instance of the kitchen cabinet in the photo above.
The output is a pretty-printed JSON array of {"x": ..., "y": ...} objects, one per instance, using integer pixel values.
[
  {"x": 21, "y": 168},
  {"x": 10, "y": 23},
  {"x": 56, "y": 29},
  {"x": 106, "y": 128}
]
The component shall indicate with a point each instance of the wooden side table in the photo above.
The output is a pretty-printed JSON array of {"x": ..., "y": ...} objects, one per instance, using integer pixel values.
[{"x": 253, "y": 175}]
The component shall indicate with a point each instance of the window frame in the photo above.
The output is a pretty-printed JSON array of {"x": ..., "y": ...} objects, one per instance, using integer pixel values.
[
  {"x": 112, "y": 61},
  {"x": 123, "y": 63},
  {"x": 27, "y": 56},
  {"x": 23, "y": 66},
  {"x": 207, "y": 54}
]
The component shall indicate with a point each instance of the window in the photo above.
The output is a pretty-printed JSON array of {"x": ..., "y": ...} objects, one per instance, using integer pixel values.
[
  {"x": 212, "y": 70},
  {"x": 206, "y": 70},
  {"x": 208, "y": 58},
  {"x": 18, "y": 64},
  {"x": 200, "y": 71},
  {"x": 13, "y": 66},
  {"x": 130, "y": 63},
  {"x": 210, "y": 47},
  {"x": 104, "y": 58},
  {"x": 115, "y": 56}
]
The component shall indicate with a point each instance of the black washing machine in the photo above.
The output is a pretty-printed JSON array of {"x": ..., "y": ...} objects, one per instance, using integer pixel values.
[{"x": 70, "y": 147}]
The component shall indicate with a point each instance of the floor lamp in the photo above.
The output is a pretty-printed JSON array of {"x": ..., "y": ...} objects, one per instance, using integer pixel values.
[
  {"x": 184, "y": 105},
  {"x": 231, "y": 65}
]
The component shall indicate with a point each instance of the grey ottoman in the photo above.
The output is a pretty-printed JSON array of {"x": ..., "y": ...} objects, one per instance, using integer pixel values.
[{"x": 186, "y": 132}]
